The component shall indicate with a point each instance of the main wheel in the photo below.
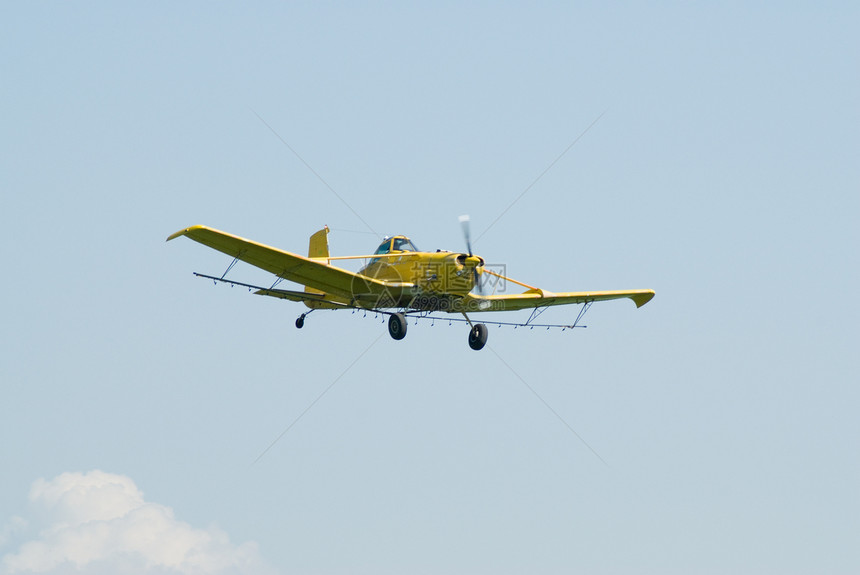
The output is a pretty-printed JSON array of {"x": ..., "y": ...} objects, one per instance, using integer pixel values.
[
  {"x": 397, "y": 326},
  {"x": 300, "y": 322},
  {"x": 478, "y": 336}
]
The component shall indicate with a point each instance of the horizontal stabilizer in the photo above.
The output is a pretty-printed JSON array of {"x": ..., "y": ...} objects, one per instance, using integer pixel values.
[{"x": 310, "y": 299}]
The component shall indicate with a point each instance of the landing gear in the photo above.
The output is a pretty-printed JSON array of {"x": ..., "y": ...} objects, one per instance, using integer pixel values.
[
  {"x": 478, "y": 336},
  {"x": 300, "y": 322},
  {"x": 397, "y": 326}
]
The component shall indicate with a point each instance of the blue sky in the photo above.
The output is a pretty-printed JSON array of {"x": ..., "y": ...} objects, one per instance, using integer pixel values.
[{"x": 721, "y": 171}]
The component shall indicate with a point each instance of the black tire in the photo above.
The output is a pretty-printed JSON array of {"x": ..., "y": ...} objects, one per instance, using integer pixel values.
[
  {"x": 478, "y": 336},
  {"x": 300, "y": 322},
  {"x": 397, "y": 326}
]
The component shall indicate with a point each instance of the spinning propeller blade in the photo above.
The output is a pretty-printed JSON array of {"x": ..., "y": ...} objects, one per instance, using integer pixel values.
[{"x": 464, "y": 223}]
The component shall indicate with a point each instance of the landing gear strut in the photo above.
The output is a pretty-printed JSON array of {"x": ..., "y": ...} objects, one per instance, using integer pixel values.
[
  {"x": 478, "y": 336},
  {"x": 397, "y": 326}
]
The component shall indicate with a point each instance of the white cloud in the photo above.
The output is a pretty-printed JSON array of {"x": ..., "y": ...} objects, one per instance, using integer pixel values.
[{"x": 99, "y": 522}]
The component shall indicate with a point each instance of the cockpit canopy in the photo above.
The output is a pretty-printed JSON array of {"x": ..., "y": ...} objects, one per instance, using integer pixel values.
[{"x": 396, "y": 244}]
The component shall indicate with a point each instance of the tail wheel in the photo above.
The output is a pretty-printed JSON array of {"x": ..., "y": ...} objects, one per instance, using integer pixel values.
[
  {"x": 478, "y": 336},
  {"x": 397, "y": 326}
]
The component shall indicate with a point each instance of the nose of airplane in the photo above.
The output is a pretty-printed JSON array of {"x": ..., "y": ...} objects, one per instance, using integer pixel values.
[{"x": 474, "y": 261}]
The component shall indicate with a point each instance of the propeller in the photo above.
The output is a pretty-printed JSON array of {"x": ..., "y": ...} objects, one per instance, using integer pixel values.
[{"x": 464, "y": 223}]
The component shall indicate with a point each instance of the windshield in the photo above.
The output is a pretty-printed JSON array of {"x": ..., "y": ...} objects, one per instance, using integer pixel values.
[
  {"x": 404, "y": 245},
  {"x": 397, "y": 244},
  {"x": 383, "y": 248}
]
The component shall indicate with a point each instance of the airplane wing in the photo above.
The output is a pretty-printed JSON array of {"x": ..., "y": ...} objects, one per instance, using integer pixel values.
[
  {"x": 309, "y": 272},
  {"x": 539, "y": 298}
]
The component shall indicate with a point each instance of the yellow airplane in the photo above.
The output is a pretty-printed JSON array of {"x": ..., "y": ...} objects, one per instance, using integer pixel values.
[{"x": 396, "y": 277}]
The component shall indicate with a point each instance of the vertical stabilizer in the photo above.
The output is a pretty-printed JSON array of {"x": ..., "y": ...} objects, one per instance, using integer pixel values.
[
  {"x": 318, "y": 248},
  {"x": 318, "y": 245}
]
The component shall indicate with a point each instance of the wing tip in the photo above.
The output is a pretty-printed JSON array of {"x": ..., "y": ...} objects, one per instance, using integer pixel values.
[
  {"x": 183, "y": 232},
  {"x": 642, "y": 298}
]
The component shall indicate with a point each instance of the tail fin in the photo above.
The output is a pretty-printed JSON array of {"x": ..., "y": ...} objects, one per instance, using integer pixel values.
[
  {"x": 318, "y": 248},
  {"x": 318, "y": 245}
]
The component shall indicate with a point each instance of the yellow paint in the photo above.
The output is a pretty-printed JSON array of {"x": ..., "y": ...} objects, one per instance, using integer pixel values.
[
  {"x": 318, "y": 251},
  {"x": 440, "y": 281}
]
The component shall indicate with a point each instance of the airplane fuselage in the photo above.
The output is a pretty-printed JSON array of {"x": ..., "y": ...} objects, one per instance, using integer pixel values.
[{"x": 430, "y": 272}]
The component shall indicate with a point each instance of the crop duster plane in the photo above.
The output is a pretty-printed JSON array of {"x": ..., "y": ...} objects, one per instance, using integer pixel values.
[{"x": 398, "y": 280}]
